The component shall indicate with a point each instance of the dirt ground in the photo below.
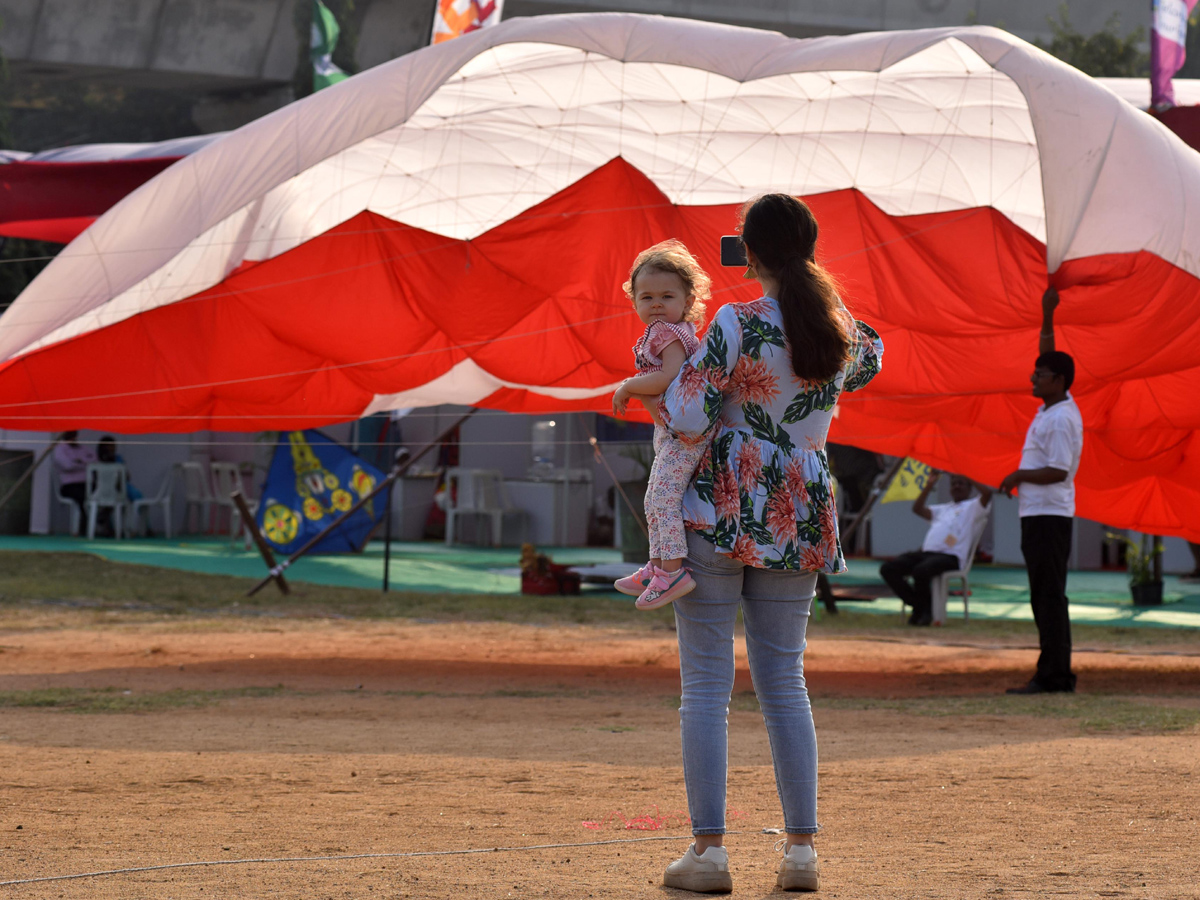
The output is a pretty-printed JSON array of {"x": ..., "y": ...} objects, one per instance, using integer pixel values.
[{"x": 336, "y": 738}]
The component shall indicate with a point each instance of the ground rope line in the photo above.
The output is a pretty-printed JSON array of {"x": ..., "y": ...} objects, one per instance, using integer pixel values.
[{"x": 293, "y": 859}]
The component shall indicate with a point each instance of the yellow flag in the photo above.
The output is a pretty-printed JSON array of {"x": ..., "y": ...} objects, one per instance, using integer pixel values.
[{"x": 910, "y": 480}]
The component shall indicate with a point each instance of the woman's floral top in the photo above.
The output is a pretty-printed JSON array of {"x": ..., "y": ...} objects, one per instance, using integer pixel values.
[{"x": 761, "y": 493}]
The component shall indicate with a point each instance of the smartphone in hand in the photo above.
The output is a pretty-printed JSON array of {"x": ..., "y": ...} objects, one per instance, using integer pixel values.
[{"x": 733, "y": 251}]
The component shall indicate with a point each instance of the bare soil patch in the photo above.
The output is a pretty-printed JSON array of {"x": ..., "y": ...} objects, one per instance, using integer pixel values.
[{"x": 128, "y": 741}]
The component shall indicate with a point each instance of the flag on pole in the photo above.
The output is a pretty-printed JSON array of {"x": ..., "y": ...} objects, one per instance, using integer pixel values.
[
  {"x": 312, "y": 481},
  {"x": 908, "y": 482},
  {"x": 324, "y": 38},
  {"x": 1168, "y": 39},
  {"x": 454, "y": 18}
]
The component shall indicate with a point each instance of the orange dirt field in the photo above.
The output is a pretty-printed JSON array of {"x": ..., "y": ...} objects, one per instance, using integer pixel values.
[{"x": 399, "y": 737}]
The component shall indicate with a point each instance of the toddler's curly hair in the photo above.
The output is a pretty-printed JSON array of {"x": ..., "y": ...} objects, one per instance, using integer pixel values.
[{"x": 673, "y": 257}]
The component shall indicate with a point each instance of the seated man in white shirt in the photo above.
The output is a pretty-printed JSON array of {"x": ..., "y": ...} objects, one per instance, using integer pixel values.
[{"x": 946, "y": 546}]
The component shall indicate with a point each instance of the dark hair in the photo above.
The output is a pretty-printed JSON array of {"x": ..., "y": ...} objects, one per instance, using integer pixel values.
[
  {"x": 781, "y": 231},
  {"x": 1058, "y": 363},
  {"x": 106, "y": 449}
]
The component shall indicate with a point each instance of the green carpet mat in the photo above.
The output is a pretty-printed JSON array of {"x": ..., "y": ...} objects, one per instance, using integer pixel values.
[
  {"x": 1002, "y": 592},
  {"x": 425, "y": 566},
  {"x": 997, "y": 592}
]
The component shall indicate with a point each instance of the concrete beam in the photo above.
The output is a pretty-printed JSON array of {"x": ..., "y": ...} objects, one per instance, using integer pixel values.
[
  {"x": 256, "y": 40},
  {"x": 240, "y": 40},
  {"x": 1025, "y": 18}
]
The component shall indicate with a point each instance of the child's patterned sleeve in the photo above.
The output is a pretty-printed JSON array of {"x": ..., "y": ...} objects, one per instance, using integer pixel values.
[
  {"x": 661, "y": 335},
  {"x": 691, "y": 406},
  {"x": 866, "y": 357}
]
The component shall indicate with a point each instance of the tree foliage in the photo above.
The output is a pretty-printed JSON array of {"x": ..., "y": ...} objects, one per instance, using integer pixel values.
[
  {"x": 1107, "y": 53},
  {"x": 20, "y": 262}
]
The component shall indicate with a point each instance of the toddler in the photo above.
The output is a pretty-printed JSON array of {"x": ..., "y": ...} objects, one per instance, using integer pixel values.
[{"x": 668, "y": 289}]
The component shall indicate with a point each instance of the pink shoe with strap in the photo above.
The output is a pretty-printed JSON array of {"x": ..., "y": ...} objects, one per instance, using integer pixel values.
[
  {"x": 664, "y": 587},
  {"x": 634, "y": 584}
]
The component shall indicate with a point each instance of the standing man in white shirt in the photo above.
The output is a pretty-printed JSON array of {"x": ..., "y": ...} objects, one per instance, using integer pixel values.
[
  {"x": 947, "y": 543},
  {"x": 1045, "y": 485}
]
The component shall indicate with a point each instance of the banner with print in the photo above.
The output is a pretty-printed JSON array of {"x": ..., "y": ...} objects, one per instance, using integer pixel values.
[
  {"x": 1168, "y": 43},
  {"x": 454, "y": 18},
  {"x": 908, "y": 482},
  {"x": 312, "y": 481},
  {"x": 322, "y": 41}
]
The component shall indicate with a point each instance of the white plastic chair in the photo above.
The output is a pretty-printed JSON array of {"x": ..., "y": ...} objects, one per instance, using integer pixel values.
[
  {"x": 939, "y": 587},
  {"x": 480, "y": 493},
  {"x": 227, "y": 479},
  {"x": 197, "y": 495},
  {"x": 73, "y": 513},
  {"x": 144, "y": 504},
  {"x": 105, "y": 490}
]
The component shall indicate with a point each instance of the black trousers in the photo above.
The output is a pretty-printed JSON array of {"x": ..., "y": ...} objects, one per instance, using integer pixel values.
[
  {"x": 76, "y": 491},
  {"x": 1046, "y": 545},
  {"x": 921, "y": 566}
]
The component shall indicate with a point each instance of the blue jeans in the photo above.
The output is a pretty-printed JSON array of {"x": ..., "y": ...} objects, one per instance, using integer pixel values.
[{"x": 775, "y": 608}]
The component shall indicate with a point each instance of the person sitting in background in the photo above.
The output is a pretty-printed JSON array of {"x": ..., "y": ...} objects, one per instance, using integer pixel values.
[
  {"x": 70, "y": 462},
  {"x": 106, "y": 452},
  {"x": 946, "y": 545}
]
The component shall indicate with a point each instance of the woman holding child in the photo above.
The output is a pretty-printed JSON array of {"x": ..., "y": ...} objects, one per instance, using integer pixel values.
[{"x": 758, "y": 397}]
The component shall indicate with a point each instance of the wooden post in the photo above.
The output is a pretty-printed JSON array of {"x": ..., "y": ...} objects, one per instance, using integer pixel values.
[
  {"x": 263, "y": 547},
  {"x": 876, "y": 493},
  {"x": 599, "y": 455},
  {"x": 28, "y": 473}
]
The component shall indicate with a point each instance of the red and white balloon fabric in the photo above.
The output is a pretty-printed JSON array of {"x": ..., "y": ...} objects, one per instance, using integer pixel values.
[
  {"x": 54, "y": 195},
  {"x": 454, "y": 227}
]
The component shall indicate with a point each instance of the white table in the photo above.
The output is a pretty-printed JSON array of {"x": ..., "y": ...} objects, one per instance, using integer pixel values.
[{"x": 558, "y": 507}]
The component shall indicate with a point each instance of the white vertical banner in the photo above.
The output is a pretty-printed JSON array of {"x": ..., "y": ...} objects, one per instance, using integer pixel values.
[{"x": 454, "y": 18}]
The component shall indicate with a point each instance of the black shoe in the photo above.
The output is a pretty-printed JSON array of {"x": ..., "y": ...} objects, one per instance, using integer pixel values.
[
  {"x": 1031, "y": 688},
  {"x": 921, "y": 621},
  {"x": 1036, "y": 687}
]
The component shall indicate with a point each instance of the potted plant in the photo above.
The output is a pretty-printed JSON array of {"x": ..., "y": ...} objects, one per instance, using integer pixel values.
[{"x": 1146, "y": 588}]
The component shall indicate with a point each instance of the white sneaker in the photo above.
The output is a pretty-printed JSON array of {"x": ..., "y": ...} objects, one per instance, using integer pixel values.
[
  {"x": 704, "y": 873},
  {"x": 798, "y": 870}
]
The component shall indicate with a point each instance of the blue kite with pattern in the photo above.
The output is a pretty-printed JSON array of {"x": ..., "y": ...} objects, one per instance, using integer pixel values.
[{"x": 312, "y": 481}]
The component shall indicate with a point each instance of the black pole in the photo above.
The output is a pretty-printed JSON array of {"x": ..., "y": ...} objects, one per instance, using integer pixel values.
[
  {"x": 402, "y": 460},
  {"x": 387, "y": 542}
]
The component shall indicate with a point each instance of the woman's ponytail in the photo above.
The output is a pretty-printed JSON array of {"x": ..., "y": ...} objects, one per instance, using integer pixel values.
[{"x": 782, "y": 233}]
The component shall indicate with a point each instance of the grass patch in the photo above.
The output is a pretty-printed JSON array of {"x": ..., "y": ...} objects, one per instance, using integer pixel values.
[
  {"x": 855, "y": 623},
  {"x": 131, "y": 592},
  {"x": 84, "y": 581},
  {"x": 1093, "y": 712},
  {"x": 116, "y": 700}
]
